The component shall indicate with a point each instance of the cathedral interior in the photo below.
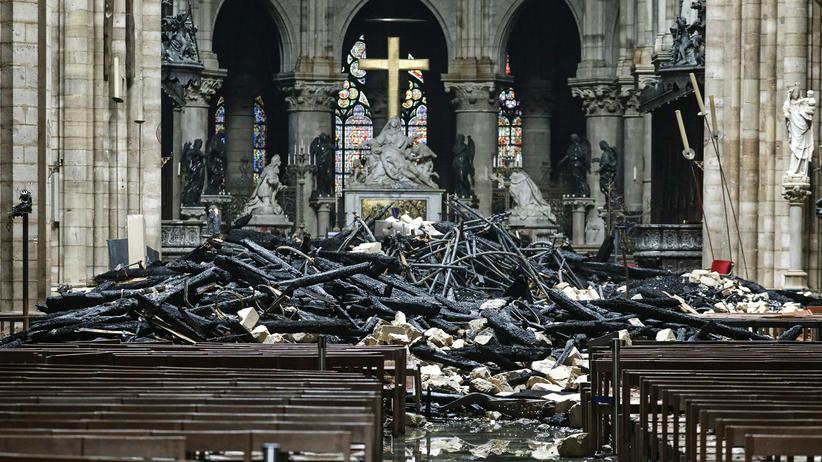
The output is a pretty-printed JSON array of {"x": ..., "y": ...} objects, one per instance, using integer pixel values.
[{"x": 348, "y": 213}]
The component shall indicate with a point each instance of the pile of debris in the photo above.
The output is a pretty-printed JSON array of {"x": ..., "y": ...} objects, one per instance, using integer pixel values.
[{"x": 495, "y": 324}]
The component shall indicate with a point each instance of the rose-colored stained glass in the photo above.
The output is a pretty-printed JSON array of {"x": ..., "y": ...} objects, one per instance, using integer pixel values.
[
  {"x": 509, "y": 127},
  {"x": 352, "y": 117},
  {"x": 415, "y": 108},
  {"x": 258, "y": 140}
]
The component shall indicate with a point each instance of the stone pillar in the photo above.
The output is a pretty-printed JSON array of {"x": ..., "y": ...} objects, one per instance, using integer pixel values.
[
  {"x": 194, "y": 117},
  {"x": 476, "y": 116},
  {"x": 579, "y": 207},
  {"x": 633, "y": 148},
  {"x": 323, "y": 207},
  {"x": 310, "y": 112},
  {"x": 193, "y": 123},
  {"x": 536, "y": 130},
  {"x": 177, "y": 157},
  {"x": 647, "y": 121},
  {"x": 239, "y": 101},
  {"x": 796, "y": 193},
  {"x": 603, "y": 111}
]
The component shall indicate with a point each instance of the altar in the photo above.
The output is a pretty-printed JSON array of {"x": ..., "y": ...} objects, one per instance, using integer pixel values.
[{"x": 363, "y": 201}]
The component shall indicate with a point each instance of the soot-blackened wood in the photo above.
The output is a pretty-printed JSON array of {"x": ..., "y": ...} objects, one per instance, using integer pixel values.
[
  {"x": 791, "y": 334},
  {"x": 242, "y": 270},
  {"x": 325, "y": 276},
  {"x": 569, "y": 346},
  {"x": 587, "y": 327},
  {"x": 423, "y": 351},
  {"x": 317, "y": 326},
  {"x": 505, "y": 327},
  {"x": 576, "y": 308},
  {"x": 351, "y": 258},
  {"x": 270, "y": 256},
  {"x": 504, "y": 362},
  {"x": 449, "y": 327},
  {"x": 512, "y": 352},
  {"x": 652, "y": 312},
  {"x": 411, "y": 305}
]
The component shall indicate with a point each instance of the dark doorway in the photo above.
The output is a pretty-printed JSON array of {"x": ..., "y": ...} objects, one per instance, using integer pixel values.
[
  {"x": 544, "y": 45},
  {"x": 247, "y": 44},
  {"x": 677, "y": 182}
]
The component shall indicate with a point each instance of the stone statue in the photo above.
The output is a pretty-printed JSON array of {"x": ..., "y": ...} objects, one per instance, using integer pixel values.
[
  {"x": 608, "y": 161},
  {"x": 322, "y": 151},
  {"x": 463, "y": 165},
  {"x": 682, "y": 42},
  {"x": 193, "y": 167},
  {"x": 179, "y": 39},
  {"x": 798, "y": 113},
  {"x": 215, "y": 164},
  {"x": 578, "y": 158},
  {"x": 688, "y": 48},
  {"x": 529, "y": 200},
  {"x": 594, "y": 229},
  {"x": 394, "y": 162},
  {"x": 263, "y": 200}
]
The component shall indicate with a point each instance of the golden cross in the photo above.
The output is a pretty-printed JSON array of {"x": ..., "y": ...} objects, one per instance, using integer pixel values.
[{"x": 393, "y": 65}]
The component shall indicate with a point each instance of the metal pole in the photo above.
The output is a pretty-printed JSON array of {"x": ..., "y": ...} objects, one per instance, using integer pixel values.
[
  {"x": 270, "y": 452},
  {"x": 322, "y": 349},
  {"x": 615, "y": 389},
  {"x": 25, "y": 271}
]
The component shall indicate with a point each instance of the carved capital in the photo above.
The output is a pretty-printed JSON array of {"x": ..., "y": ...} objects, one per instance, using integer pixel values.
[
  {"x": 310, "y": 95},
  {"x": 598, "y": 98},
  {"x": 796, "y": 190},
  {"x": 629, "y": 97},
  {"x": 473, "y": 96},
  {"x": 200, "y": 91}
]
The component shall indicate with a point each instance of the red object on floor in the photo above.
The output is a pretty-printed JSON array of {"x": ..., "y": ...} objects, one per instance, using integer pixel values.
[{"x": 722, "y": 266}]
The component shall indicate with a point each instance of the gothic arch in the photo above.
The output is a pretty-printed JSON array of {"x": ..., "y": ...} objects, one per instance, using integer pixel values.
[
  {"x": 509, "y": 19},
  {"x": 285, "y": 29},
  {"x": 348, "y": 12}
]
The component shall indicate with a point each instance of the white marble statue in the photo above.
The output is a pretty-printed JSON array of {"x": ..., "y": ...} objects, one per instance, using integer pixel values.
[
  {"x": 529, "y": 200},
  {"x": 395, "y": 162},
  {"x": 263, "y": 200},
  {"x": 798, "y": 120}
]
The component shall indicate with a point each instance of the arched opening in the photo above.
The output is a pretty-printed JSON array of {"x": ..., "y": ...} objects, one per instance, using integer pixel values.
[
  {"x": 248, "y": 108},
  {"x": 426, "y": 111},
  {"x": 543, "y": 51}
]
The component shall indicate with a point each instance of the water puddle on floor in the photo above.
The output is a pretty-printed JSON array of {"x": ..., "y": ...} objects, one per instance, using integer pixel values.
[{"x": 472, "y": 439}]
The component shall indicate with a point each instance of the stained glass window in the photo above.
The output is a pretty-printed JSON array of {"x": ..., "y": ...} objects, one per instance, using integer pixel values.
[
  {"x": 352, "y": 117},
  {"x": 415, "y": 108},
  {"x": 259, "y": 138},
  {"x": 219, "y": 118},
  {"x": 509, "y": 127}
]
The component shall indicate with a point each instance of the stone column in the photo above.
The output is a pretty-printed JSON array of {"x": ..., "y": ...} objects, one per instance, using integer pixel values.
[
  {"x": 310, "y": 112},
  {"x": 194, "y": 117},
  {"x": 323, "y": 207},
  {"x": 579, "y": 207},
  {"x": 536, "y": 129},
  {"x": 796, "y": 193},
  {"x": 239, "y": 101},
  {"x": 603, "y": 109},
  {"x": 177, "y": 157},
  {"x": 476, "y": 116},
  {"x": 633, "y": 148}
]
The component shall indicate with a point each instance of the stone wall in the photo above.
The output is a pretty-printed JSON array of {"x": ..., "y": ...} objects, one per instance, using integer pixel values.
[
  {"x": 96, "y": 139},
  {"x": 755, "y": 50}
]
